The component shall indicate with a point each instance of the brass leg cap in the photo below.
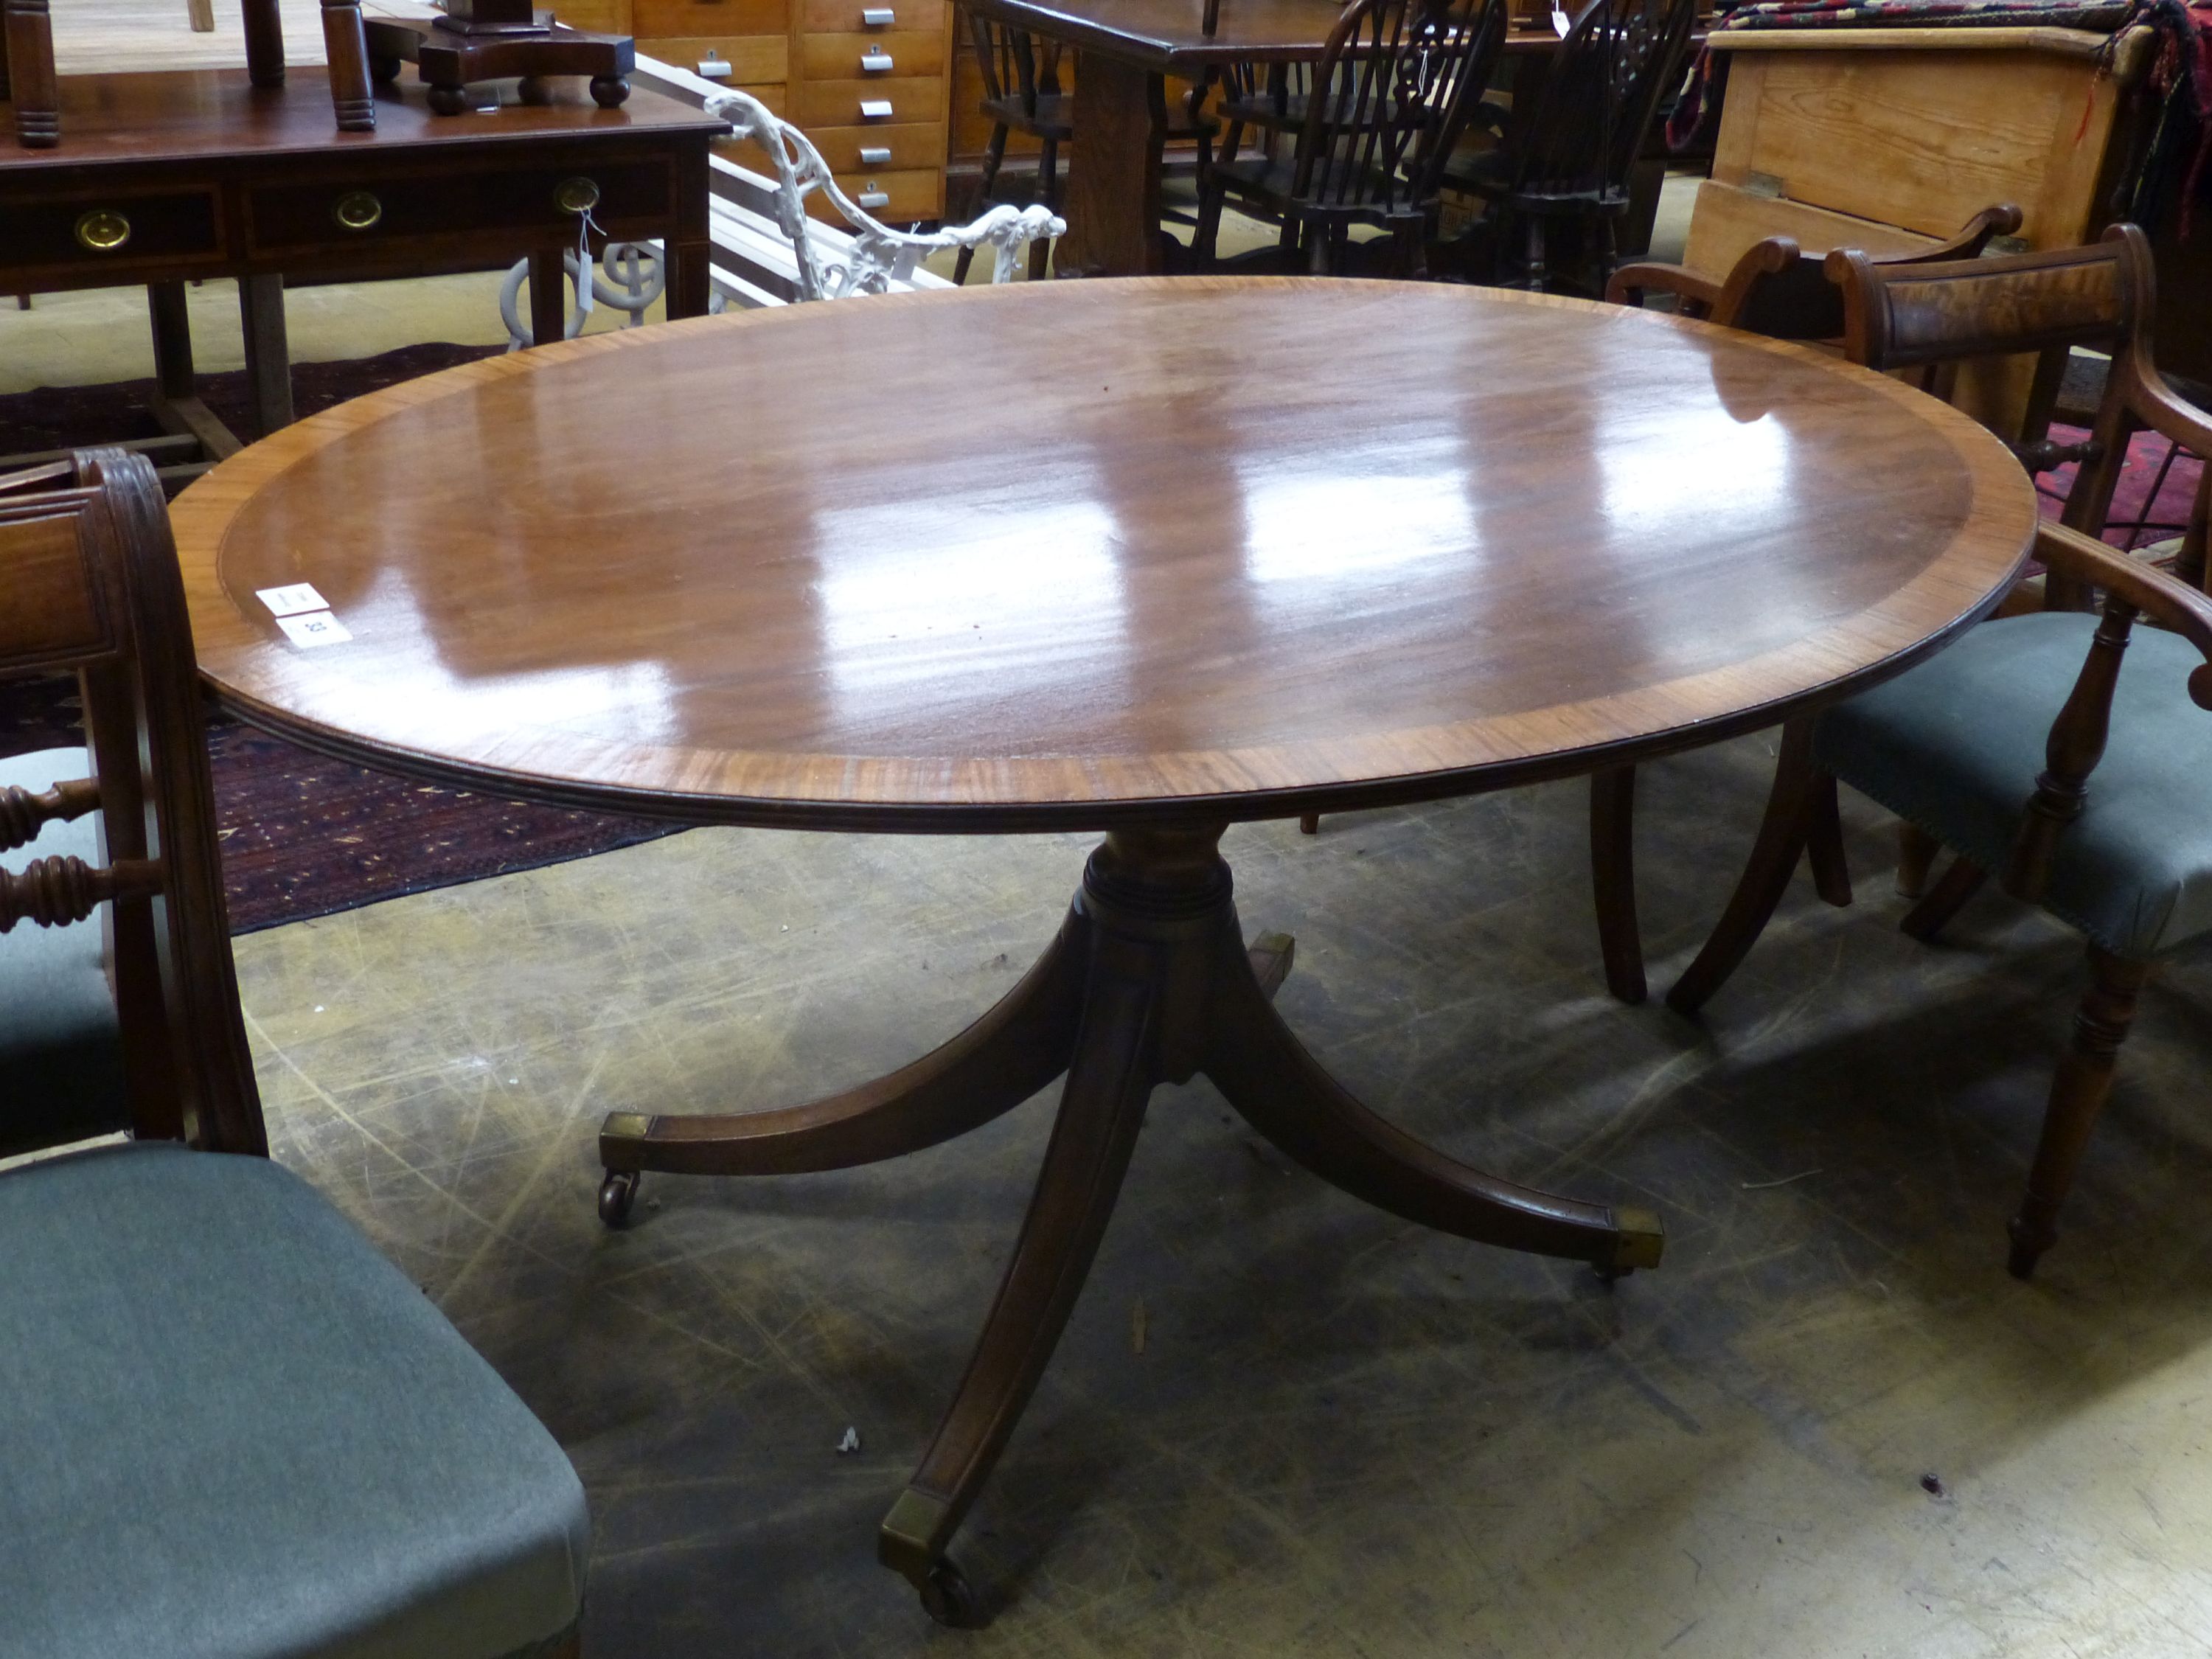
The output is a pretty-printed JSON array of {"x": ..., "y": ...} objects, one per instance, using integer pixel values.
[{"x": 1642, "y": 1240}]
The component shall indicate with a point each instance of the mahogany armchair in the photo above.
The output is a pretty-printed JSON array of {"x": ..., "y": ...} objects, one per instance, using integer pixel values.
[
  {"x": 230, "y": 1427},
  {"x": 26, "y": 63},
  {"x": 1776, "y": 289},
  {"x": 2065, "y": 750}
]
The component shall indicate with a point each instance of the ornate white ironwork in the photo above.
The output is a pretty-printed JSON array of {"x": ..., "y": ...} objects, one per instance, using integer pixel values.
[
  {"x": 639, "y": 271},
  {"x": 880, "y": 255}
]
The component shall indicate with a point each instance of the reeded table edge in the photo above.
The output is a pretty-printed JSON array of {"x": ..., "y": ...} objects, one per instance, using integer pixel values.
[{"x": 960, "y": 801}]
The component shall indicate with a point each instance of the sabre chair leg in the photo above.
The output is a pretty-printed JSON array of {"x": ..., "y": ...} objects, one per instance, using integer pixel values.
[
  {"x": 1612, "y": 880},
  {"x": 1916, "y": 857},
  {"x": 1944, "y": 900},
  {"x": 994, "y": 153},
  {"x": 992, "y": 1066},
  {"x": 2078, "y": 1094},
  {"x": 1282, "y": 1092},
  {"x": 1782, "y": 836},
  {"x": 1824, "y": 844}
]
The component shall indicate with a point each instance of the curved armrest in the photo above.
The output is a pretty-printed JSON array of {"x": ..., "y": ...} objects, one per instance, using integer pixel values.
[
  {"x": 2166, "y": 599},
  {"x": 2077, "y": 737},
  {"x": 1975, "y": 235},
  {"x": 1687, "y": 286}
]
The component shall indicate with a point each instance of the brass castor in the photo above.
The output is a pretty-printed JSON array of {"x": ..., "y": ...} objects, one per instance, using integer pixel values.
[
  {"x": 948, "y": 1598},
  {"x": 617, "y": 1196}
]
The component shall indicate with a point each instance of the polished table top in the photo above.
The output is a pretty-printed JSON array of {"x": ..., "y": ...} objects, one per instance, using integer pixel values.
[{"x": 1095, "y": 554}]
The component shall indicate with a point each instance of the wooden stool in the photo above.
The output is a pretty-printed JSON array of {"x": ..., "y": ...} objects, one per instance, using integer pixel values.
[{"x": 27, "y": 64}]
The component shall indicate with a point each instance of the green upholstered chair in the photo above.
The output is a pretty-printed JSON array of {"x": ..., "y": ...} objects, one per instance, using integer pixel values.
[
  {"x": 2066, "y": 750},
  {"x": 229, "y": 1427}
]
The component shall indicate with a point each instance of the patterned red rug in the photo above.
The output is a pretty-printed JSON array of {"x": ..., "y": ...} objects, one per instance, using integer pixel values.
[{"x": 303, "y": 835}]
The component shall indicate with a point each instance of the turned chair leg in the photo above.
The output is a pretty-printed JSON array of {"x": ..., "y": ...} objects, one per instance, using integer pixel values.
[
  {"x": 1047, "y": 193},
  {"x": 2077, "y": 1095},
  {"x": 1944, "y": 901},
  {"x": 993, "y": 154},
  {"x": 1916, "y": 857},
  {"x": 1792, "y": 805},
  {"x": 346, "y": 46},
  {"x": 1612, "y": 880},
  {"x": 1532, "y": 274},
  {"x": 264, "y": 43},
  {"x": 26, "y": 27}
]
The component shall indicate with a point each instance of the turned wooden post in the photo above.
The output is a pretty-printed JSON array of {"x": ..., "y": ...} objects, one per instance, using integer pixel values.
[
  {"x": 347, "y": 49},
  {"x": 264, "y": 43},
  {"x": 30, "y": 43}
]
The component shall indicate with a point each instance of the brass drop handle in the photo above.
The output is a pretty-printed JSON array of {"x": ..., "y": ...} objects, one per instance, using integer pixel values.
[
  {"x": 576, "y": 196},
  {"x": 357, "y": 210},
  {"x": 103, "y": 230}
]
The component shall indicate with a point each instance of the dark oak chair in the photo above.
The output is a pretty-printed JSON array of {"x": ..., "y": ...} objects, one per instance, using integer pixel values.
[
  {"x": 1571, "y": 160},
  {"x": 1385, "y": 104},
  {"x": 230, "y": 1426},
  {"x": 1023, "y": 93},
  {"x": 26, "y": 63},
  {"x": 2064, "y": 749}
]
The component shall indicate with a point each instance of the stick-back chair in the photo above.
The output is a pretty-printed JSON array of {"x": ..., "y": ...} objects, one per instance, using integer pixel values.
[
  {"x": 1571, "y": 160},
  {"x": 2064, "y": 751},
  {"x": 27, "y": 62},
  {"x": 1388, "y": 99},
  {"x": 229, "y": 1425}
]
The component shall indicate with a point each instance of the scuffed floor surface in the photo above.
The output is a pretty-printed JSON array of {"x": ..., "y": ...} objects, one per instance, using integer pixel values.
[{"x": 1343, "y": 1436}]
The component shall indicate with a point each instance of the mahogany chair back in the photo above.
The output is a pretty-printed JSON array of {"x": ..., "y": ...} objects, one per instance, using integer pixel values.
[
  {"x": 1776, "y": 289},
  {"x": 1932, "y": 317},
  {"x": 91, "y": 576}
]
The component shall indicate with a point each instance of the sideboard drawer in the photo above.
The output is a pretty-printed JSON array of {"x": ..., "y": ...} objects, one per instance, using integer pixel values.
[
  {"x": 658, "y": 19},
  {"x": 889, "y": 101},
  {"x": 843, "y": 16},
  {"x": 877, "y": 54},
  {"x": 907, "y": 196},
  {"x": 281, "y": 217},
  {"x": 862, "y": 150},
  {"x": 754, "y": 60},
  {"x": 92, "y": 229}
]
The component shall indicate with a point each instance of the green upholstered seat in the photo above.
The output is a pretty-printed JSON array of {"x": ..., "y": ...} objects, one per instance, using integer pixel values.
[
  {"x": 1955, "y": 745},
  {"x": 230, "y": 1429},
  {"x": 61, "y": 1052}
]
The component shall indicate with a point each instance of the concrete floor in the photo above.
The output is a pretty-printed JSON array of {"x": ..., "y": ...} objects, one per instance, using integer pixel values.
[{"x": 1342, "y": 1436}]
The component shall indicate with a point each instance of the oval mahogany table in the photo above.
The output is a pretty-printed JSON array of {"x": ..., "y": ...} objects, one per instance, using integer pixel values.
[{"x": 1148, "y": 557}]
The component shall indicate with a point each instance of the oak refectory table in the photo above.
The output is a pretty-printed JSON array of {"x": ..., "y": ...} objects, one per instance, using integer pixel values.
[
  {"x": 1124, "y": 50},
  {"x": 162, "y": 179},
  {"x": 1225, "y": 549}
]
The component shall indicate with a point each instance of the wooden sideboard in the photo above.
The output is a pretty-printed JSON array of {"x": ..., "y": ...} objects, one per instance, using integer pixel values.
[
  {"x": 1890, "y": 139},
  {"x": 868, "y": 79}
]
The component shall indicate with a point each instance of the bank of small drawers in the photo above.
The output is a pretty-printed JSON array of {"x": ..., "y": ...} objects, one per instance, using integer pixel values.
[{"x": 866, "y": 79}]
